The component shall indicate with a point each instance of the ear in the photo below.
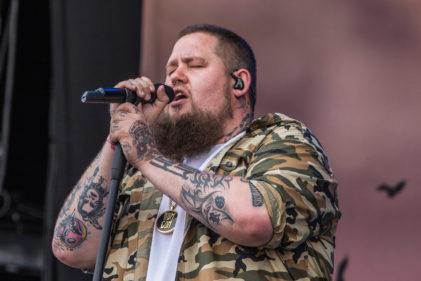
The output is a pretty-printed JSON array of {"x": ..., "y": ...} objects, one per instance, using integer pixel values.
[{"x": 245, "y": 76}]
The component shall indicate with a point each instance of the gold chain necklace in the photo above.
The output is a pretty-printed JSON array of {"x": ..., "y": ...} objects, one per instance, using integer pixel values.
[{"x": 166, "y": 221}]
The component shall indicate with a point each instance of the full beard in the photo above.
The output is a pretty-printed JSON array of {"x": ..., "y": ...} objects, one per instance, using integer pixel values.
[{"x": 192, "y": 133}]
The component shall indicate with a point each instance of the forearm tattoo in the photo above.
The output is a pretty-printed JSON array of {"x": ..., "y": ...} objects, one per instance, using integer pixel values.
[
  {"x": 142, "y": 140},
  {"x": 91, "y": 205},
  {"x": 202, "y": 193},
  {"x": 71, "y": 231}
]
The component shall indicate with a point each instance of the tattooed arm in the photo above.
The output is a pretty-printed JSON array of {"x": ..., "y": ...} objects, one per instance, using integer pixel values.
[
  {"x": 228, "y": 205},
  {"x": 79, "y": 223}
]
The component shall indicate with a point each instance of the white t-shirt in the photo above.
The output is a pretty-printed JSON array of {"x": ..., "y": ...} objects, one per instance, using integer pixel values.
[{"x": 165, "y": 248}]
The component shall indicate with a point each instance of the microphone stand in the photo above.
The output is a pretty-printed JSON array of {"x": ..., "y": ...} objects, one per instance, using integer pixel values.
[
  {"x": 110, "y": 95},
  {"x": 116, "y": 174}
]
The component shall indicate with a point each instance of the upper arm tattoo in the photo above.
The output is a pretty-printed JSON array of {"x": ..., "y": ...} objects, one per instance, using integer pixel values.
[
  {"x": 256, "y": 196},
  {"x": 203, "y": 195}
]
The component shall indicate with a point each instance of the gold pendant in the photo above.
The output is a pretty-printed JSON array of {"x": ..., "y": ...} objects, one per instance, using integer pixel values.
[{"x": 166, "y": 221}]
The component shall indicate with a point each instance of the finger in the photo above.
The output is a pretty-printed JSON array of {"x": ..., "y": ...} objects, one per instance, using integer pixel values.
[
  {"x": 122, "y": 84},
  {"x": 120, "y": 115},
  {"x": 149, "y": 83},
  {"x": 119, "y": 84},
  {"x": 113, "y": 107},
  {"x": 114, "y": 137},
  {"x": 126, "y": 107},
  {"x": 162, "y": 98},
  {"x": 128, "y": 84},
  {"x": 152, "y": 111},
  {"x": 143, "y": 88},
  {"x": 115, "y": 125}
]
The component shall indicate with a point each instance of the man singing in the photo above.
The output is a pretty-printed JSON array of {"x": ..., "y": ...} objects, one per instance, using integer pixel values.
[{"x": 209, "y": 192}]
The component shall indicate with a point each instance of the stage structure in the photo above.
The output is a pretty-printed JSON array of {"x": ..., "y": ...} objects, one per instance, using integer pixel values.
[{"x": 50, "y": 52}]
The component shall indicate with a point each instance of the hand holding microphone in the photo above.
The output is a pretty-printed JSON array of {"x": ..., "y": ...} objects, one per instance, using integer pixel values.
[
  {"x": 122, "y": 95},
  {"x": 149, "y": 98},
  {"x": 135, "y": 104}
]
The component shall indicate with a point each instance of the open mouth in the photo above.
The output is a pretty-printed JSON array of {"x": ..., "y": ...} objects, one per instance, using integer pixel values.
[{"x": 179, "y": 96}]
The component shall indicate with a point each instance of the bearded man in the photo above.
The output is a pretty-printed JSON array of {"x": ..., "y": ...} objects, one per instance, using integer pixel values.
[{"x": 209, "y": 193}]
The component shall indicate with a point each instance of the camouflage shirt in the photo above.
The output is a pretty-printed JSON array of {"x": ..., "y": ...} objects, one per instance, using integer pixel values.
[{"x": 286, "y": 163}]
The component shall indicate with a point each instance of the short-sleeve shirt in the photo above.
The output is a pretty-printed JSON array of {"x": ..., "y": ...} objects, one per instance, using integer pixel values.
[{"x": 287, "y": 164}]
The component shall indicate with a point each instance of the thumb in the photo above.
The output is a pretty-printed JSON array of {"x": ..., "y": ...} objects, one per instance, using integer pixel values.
[{"x": 162, "y": 98}]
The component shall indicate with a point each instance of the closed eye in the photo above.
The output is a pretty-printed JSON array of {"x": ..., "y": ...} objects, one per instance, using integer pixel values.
[
  {"x": 195, "y": 62},
  {"x": 169, "y": 72}
]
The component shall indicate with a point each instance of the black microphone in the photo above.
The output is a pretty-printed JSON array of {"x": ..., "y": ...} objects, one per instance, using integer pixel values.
[{"x": 121, "y": 95}]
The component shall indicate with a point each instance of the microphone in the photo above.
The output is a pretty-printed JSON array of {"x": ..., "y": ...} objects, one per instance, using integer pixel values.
[{"x": 122, "y": 95}]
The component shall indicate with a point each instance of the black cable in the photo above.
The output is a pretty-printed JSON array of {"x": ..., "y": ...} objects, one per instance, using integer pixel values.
[
  {"x": 4, "y": 44},
  {"x": 11, "y": 55}
]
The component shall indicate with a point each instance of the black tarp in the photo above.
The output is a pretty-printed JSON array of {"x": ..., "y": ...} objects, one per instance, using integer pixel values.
[{"x": 94, "y": 43}]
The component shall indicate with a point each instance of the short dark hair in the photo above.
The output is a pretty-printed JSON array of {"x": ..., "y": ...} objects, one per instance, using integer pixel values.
[{"x": 234, "y": 51}]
